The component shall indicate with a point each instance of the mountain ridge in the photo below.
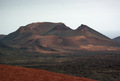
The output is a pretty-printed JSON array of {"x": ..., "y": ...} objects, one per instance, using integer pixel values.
[{"x": 58, "y": 37}]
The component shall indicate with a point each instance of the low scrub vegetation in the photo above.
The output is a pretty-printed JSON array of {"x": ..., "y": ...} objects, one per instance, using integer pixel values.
[{"x": 103, "y": 66}]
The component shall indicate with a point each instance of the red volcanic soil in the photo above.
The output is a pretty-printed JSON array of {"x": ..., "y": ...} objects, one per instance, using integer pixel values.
[{"x": 15, "y": 73}]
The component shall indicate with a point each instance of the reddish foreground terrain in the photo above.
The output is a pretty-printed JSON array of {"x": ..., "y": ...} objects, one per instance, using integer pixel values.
[{"x": 15, "y": 73}]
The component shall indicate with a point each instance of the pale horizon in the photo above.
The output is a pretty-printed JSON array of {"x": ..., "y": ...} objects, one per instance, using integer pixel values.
[{"x": 102, "y": 16}]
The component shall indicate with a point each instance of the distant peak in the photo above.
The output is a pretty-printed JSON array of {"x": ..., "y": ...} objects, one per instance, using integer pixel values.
[
  {"x": 82, "y": 27},
  {"x": 45, "y": 23},
  {"x": 117, "y": 37},
  {"x": 61, "y": 26}
]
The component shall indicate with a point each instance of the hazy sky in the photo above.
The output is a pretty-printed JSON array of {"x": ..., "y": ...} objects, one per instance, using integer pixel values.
[{"x": 101, "y": 15}]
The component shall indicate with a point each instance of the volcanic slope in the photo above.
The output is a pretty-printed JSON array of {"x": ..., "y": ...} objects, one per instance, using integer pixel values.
[
  {"x": 57, "y": 37},
  {"x": 14, "y": 73}
]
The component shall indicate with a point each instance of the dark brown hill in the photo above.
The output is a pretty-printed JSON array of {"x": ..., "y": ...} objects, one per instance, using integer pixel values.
[
  {"x": 14, "y": 73},
  {"x": 2, "y": 36},
  {"x": 89, "y": 32},
  {"x": 117, "y": 39},
  {"x": 57, "y": 37}
]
